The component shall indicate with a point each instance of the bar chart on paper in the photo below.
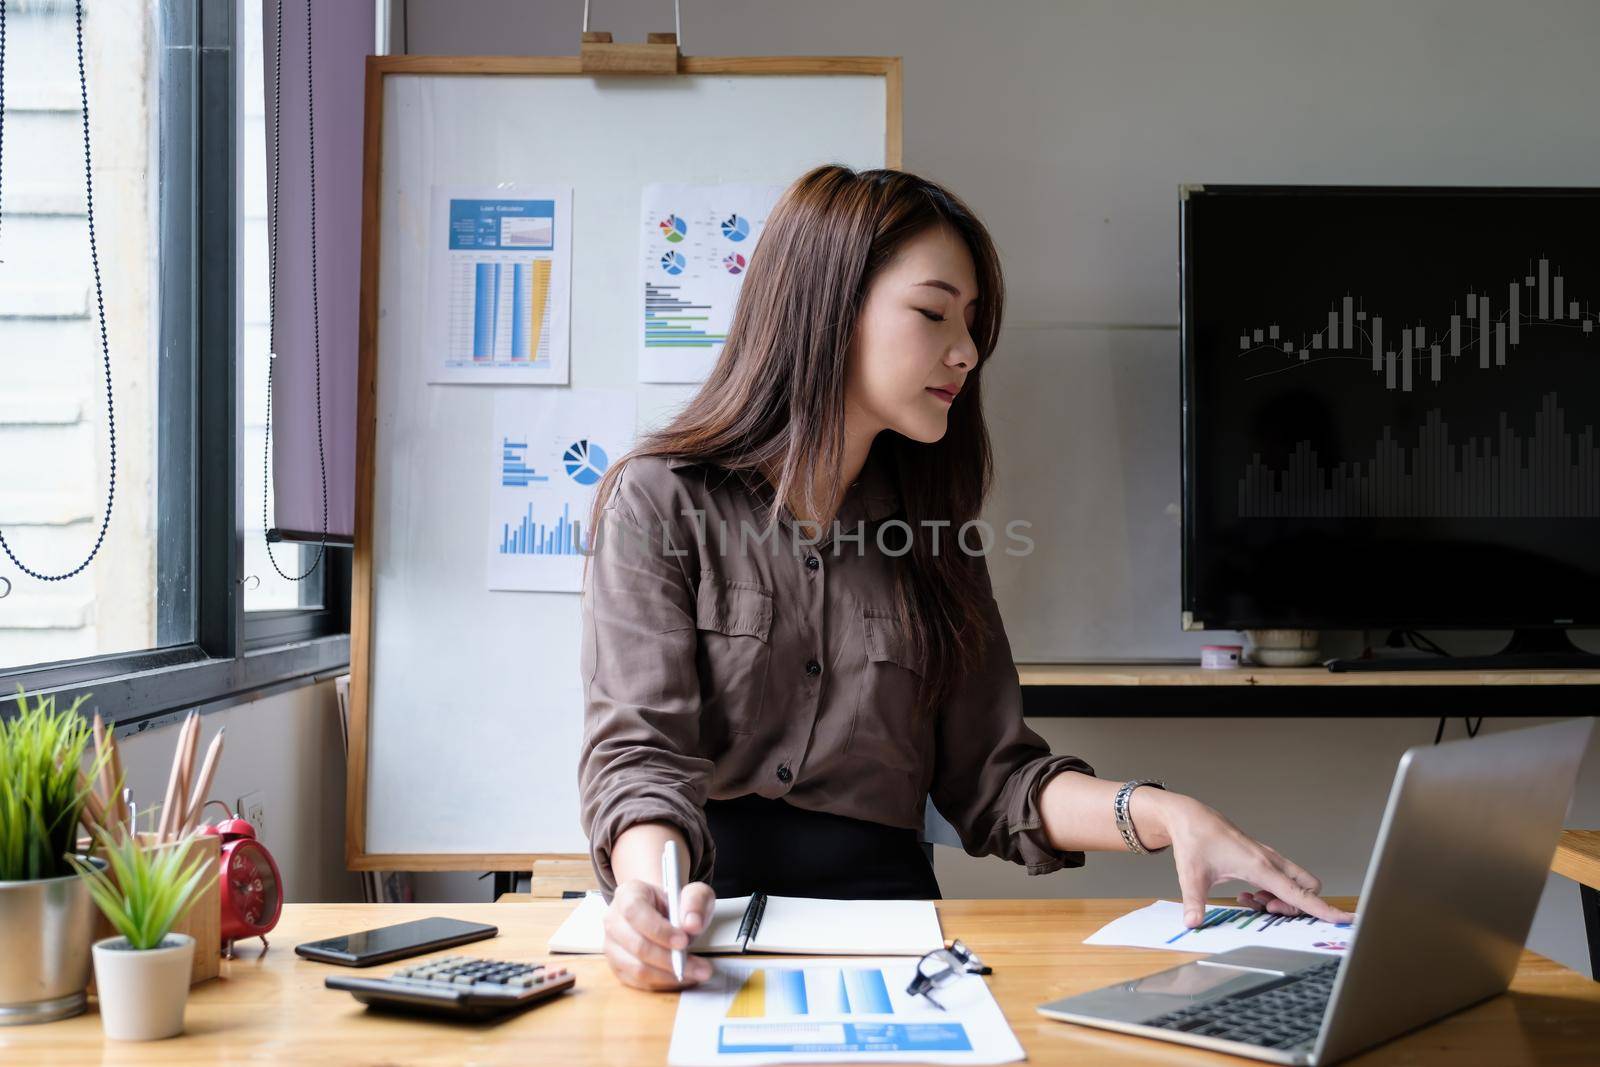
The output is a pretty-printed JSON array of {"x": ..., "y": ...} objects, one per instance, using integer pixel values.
[
  {"x": 819, "y": 1011},
  {"x": 499, "y": 287},
  {"x": 551, "y": 451},
  {"x": 786, "y": 991},
  {"x": 1160, "y": 925},
  {"x": 500, "y": 311}
]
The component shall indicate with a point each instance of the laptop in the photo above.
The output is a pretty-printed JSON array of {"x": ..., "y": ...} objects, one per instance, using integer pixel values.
[{"x": 1461, "y": 860}]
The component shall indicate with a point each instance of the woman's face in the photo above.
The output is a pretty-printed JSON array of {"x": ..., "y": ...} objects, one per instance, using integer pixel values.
[{"x": 913, "y": 348}]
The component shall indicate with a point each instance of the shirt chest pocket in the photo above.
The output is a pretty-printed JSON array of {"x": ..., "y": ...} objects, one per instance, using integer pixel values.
[
  {"x": 734, "y": 621},
  {"x": 888, "y": 728}
]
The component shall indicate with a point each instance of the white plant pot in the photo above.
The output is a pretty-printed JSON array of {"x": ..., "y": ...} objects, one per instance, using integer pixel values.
[{"x": 142, "y": 993}]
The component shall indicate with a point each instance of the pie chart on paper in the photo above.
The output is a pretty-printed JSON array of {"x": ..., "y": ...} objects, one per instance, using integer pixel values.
[
  {"x": 585, "y": 461},
  {"x": 673, "y": 228},
  {"x": 736, "y": 227}
]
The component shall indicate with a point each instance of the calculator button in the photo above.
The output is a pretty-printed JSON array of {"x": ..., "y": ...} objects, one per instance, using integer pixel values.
[{"x": 464, "y": 979}]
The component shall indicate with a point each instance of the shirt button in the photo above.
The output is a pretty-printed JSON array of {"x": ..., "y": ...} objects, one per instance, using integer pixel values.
[
  {"x": 784, "y": 773},
  {"x": 812, "y": 563},
  {"x": 813, "y": 668}
]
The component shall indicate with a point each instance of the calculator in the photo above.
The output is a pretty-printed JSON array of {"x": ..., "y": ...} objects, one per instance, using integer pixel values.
[{"x": 462, "y": 987}]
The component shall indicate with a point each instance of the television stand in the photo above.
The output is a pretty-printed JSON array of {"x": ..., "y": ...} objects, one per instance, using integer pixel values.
[{"x": 1528, "y": 649}]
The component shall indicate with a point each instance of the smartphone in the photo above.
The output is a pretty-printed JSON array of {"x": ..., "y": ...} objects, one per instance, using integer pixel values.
[{"x": 394, "y": 942}]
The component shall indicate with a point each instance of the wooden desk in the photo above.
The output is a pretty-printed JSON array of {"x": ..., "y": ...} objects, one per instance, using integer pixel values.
[
  {"x": 1578, "y": 857},
  {"x": 273, "y": 1009}
]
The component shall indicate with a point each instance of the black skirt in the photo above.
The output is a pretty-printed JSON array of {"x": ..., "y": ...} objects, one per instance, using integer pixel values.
[{"x": 783, "y": 850}]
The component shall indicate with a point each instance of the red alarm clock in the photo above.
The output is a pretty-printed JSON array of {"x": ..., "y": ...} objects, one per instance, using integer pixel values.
[{"x": 252, "y": 889}]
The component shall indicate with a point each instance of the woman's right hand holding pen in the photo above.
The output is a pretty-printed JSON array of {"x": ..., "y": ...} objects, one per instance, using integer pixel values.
[{"x": 639, "y": 939}]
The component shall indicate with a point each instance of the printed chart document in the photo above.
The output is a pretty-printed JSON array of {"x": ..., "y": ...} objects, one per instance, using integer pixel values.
[
  {"x": 499, "y": 285},
  {"x": 1160, "y": 925},
  {"x": 550, "y": 450},
  {"x": 821, "y": 1011},
  {"x": 785, "y": 925},
  {"x": 696, "y": 242}
]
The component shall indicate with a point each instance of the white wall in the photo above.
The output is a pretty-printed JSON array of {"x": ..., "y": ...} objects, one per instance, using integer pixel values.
[{"x": 287, "y": 748}]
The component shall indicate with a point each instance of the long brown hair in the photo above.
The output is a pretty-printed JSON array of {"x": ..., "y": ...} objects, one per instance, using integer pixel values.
[{"x": 776, "y": 398}]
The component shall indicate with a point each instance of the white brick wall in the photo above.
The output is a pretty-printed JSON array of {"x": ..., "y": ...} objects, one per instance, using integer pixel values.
[{"x": 53, "y": 468}]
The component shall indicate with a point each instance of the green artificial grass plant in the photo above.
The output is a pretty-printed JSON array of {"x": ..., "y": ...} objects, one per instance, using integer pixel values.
[
  {"x": 147, "y": 889},
  {"x": 41, "y": 790}
]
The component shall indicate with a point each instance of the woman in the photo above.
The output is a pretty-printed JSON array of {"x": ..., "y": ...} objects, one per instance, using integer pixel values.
[{"x": 777, "y": 687}]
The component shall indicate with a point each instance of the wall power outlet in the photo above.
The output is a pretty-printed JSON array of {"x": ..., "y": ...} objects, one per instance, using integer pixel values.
[{"x": 252, "y": 807}]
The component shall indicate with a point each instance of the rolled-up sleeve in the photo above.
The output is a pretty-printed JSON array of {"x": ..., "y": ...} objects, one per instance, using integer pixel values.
[
  {"x": 990, "y": 766},
  {"x": 639, "y": 760}
]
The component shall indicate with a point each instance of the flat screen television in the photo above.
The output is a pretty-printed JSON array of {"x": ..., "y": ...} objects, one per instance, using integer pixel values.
[{"x": 1391, "y": 407}]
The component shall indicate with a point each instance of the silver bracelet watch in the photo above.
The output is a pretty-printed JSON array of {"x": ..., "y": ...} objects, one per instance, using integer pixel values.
[{"x": 1130, "y": 837}]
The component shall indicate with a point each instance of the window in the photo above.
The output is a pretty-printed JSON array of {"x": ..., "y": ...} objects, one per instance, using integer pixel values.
[
  {"x": 53, "y": 427},
  {"x": 162, "y": 618}
]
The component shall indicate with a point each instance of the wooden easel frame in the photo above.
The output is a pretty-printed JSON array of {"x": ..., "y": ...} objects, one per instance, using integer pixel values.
[{"x": 357, "y": 858}]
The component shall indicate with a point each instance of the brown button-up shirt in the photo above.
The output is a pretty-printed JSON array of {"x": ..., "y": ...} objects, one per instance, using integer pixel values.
[{"x": 717, "y": 664}]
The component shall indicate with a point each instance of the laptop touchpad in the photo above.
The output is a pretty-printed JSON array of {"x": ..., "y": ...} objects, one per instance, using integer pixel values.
[
  {"x": 1194, "y": 980},
  {"x": 1172, "y": 989}
]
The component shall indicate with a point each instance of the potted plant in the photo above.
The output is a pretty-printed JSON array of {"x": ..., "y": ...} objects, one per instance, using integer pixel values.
[
  {"x": 46, "y": 919},
  {"x": 142, "y": 975}
]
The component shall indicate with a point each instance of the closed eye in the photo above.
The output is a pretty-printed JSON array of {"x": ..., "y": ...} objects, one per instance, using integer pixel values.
[{"x": 932, "y": 315}]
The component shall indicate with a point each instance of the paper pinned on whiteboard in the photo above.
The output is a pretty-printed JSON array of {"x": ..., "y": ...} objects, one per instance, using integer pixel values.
[
  {"x": 499, "y": 285},
  {"x": 696, "y": 244},
  {"x": 551, "y": 448}
]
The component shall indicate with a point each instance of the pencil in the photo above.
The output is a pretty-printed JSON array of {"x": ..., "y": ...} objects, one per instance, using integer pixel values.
[
  {"x": 190, "y": 742},
  {"x": 123, "y": 817},
  {"x": 203, "y": 784},
  {"x": 91, "y": 815},
  {"x": 172, "y": 791}
]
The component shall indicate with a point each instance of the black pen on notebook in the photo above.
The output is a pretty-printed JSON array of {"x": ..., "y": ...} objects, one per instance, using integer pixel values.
[{"x": 670, "y": 885}]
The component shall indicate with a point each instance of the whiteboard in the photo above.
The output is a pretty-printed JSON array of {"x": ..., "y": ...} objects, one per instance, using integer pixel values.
[{"x": 466, "y": 705}]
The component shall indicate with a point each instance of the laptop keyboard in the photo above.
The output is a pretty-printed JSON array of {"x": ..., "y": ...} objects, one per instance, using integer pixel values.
[{"x": 1281, "y": 1015}]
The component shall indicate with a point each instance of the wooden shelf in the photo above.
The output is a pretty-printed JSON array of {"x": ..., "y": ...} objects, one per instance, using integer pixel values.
[
  {"x": 1578, "y": 857},
  {"x": 1184, "y": 689},
  {"x": 1185, "y": 673}
]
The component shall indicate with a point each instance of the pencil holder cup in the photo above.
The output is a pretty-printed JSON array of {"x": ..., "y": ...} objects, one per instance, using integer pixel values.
[{"x": 204, "y": 920}]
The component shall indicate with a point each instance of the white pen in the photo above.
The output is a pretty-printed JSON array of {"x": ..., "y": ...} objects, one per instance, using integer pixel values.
[{"x": 670, "y": 885}]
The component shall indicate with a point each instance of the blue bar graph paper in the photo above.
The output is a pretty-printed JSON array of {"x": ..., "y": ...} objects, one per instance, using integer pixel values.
[
  {"x": 521, "y": 308},
  {"x": 485, "y": 309},
  {"x": 528, "y": 538},
  {"x": 514, "y": 469}
]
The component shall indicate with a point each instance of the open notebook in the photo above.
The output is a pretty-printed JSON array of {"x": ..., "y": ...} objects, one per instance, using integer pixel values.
[{"x": 799, "y": 925}]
